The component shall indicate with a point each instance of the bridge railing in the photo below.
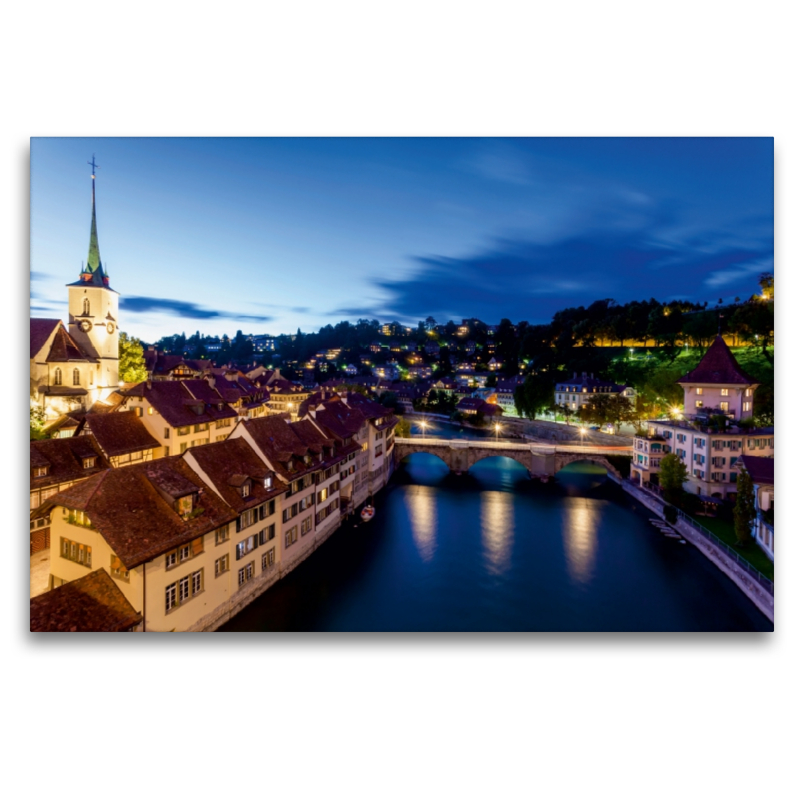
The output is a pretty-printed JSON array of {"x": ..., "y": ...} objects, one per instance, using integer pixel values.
[{"x": 542, "y": 449}]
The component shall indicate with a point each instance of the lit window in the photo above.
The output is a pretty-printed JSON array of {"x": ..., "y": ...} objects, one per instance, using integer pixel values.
[
  {"x": 723, "y": 392},
  {"x": 699, "y": 390}
]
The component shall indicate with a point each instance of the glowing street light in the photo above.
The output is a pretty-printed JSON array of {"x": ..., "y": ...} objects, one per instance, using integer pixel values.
[
  {"x": 423, "y": 425},
  {"x": 676, "y": 411},
  {"x": 496, "y": 431},
  {"x": 582, "y": 432}
]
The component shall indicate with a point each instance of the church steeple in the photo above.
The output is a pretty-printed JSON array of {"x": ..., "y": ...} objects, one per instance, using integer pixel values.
[{"x": 93, "y": 272}]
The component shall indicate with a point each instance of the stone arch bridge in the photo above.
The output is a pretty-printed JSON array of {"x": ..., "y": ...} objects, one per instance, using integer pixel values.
[{"x": 541, "y": 461}]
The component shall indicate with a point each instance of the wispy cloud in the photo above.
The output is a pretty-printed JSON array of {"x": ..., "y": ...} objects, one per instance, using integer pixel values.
[
  {"x": 180, "y": 308},
  {"x": 523, "y": 279},
  {"x": 739, "y": 272}
]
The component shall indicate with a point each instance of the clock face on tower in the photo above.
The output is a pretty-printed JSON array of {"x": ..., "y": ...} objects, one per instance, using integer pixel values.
[
  {"x": 110, "y": 327},
  {"x": 85, "y": 325}
]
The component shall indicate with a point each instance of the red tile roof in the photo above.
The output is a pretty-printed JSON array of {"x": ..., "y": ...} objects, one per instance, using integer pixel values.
[
  {"x": 90, "y": 604},
  {"x": 761, "y": 469},
  {"x": 132, "y": 508},
  {"x": 719, "y": 366},
  {"x": 65, "y": 348},
  {"x": 228, "y": 465},
  {"x": 64, "y": 457},
  {"x": 40, "y": 333},
  {"x": 119, "y": 433},
  {"x": 174, "y": 401}
]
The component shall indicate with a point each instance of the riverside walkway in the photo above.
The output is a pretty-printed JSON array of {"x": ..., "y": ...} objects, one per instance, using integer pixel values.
[{"x": 542, "y": 461}]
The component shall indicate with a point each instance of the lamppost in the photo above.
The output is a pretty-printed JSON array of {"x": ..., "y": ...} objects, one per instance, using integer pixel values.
[
  {"x": 423, "y": 425},
  {"x": 582, "y": 432},
  {"x": 496, "y": 432}
]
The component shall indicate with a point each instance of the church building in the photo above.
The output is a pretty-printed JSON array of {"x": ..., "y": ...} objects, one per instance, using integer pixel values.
[{"x": 74, "y": 368}]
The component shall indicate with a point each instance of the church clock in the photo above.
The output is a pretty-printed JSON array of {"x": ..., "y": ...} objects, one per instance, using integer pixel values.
[{"x": 85, "y": 325}]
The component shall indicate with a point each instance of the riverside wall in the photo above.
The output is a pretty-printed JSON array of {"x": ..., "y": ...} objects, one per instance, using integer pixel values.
[{"x": 758, "y": 595}]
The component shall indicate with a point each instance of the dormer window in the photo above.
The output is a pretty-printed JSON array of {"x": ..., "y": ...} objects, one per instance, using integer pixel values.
[
  {"x": 245, "y": 490},
  {"x": 88, "y": 463},
  {"x": 40, "y": 472},
  {"x": 184, "y": 505},
  {"x": 268, "y": 482}
]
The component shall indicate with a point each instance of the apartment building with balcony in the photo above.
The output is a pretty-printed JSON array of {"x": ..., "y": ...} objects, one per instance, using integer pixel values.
[{"x": 717, "y": 395}]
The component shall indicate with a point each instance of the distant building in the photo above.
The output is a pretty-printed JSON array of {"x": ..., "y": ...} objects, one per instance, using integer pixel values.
[{"x": 579, "y": 391}]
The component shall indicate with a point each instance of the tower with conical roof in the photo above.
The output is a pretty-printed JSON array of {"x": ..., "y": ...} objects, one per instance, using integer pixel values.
[
  {"x": 718, "y": 384},
  {"x": 94, "y": 311}
]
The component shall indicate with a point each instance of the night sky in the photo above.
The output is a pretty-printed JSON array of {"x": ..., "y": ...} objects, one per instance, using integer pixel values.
[{"x": 268, "y": 235}]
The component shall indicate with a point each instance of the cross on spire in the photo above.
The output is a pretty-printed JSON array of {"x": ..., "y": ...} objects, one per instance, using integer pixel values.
[{"x": 93, "y": 165}]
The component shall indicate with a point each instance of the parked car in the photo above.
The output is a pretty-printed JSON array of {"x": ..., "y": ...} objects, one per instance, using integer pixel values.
[{"x": 594, "y": 427}]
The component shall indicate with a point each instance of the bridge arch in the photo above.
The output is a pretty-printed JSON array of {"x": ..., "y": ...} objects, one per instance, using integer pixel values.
[
  {"x": 519, "y": 459},
  {"x": 565, "y": 459},
  {"x": 404, "y": 457}
]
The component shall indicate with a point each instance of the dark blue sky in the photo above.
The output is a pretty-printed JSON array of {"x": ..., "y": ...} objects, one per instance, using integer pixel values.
[{"x": 268, "y": 235}]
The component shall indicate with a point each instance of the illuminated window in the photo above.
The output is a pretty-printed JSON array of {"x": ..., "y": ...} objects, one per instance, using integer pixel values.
[
  {"x": 699, "y": 390},
  {"x": 698, "y": 403},
  {"x": 724, "y": 392}
]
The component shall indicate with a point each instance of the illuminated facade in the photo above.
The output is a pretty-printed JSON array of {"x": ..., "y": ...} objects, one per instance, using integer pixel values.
[{"x": 72, "y": 369}]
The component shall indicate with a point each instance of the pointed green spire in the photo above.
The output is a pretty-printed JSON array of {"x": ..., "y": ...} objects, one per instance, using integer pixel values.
[{"x": 93, "y": 262}]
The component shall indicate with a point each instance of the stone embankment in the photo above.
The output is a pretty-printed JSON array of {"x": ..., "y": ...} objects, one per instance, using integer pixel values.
[{"x": 760, "y": 597}]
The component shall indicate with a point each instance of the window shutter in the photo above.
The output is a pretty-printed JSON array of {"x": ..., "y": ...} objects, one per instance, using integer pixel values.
[{"x": 197, "y": 546}]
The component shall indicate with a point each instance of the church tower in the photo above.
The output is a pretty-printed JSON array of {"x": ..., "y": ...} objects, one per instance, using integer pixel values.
[{"x": 94, "y": 313}]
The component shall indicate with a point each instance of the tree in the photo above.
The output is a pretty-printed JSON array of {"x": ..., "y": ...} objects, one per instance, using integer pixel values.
[
  {"x": 37, "y": 423},
  {"x": 744, "y": 511},
  {"x": 534, "y": 396},
  {"x": 131, "y": 359},
  {"x": 672, "y": 477},
  {"x": 403, "y": 428}
]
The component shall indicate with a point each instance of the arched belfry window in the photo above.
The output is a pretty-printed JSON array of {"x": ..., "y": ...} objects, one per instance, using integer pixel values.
[
  {"x": 57, "y": 377},
  {"x": 76, "y": 377},
  {"x": 86, "y": 306}
]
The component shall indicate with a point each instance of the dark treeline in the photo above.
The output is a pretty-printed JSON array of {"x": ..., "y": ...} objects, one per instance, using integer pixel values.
[{"x": 593, "y": 339}]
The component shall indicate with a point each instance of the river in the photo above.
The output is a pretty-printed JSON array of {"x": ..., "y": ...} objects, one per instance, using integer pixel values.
[{"x": 494, "y": 551}]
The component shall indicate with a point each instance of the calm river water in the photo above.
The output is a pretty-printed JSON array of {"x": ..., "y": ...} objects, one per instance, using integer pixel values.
[{"x": 495, "y": 551}]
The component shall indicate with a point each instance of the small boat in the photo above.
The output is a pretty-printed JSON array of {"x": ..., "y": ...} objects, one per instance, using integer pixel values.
[{"x": 367, "y": 513}]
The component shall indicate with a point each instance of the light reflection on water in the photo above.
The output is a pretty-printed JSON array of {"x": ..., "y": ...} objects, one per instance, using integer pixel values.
[
  {"x": 422, "y": 510},
  {"x": 579, "y": 529},
  {"x": 497, "y": 529}
]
